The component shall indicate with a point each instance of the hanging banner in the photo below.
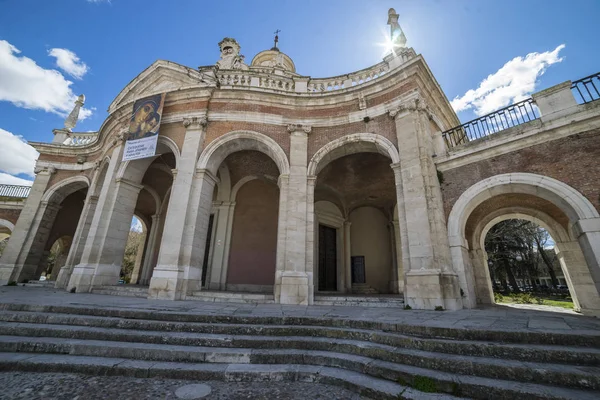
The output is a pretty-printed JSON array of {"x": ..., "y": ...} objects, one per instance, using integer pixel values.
[{"x": 143, "y": 127}]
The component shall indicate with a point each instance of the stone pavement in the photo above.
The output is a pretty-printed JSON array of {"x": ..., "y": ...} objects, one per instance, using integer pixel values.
[
  {"x": 530, "y": 318},
  {"x": 61, "y": 386}
]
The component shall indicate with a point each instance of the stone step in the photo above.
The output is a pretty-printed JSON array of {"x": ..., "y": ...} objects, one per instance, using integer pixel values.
[
  {"x": 122, "y": 290},
  {"x": 40, "y": 284},
  {"x": 358, "y": 300},
  {"x": 360, "y": 383},
  {"x": 589, "y": 338},
  {"x": 267, "y": 336},
  {"x": 232, "y": 297},
  {"x": 363, "y": 288},
  {"x": 392, "y": 381},
  {"x": 545, "y": 373}
]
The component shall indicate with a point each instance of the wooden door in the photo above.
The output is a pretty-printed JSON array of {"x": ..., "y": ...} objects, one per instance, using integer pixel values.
[{"x": 327, "y": 258}]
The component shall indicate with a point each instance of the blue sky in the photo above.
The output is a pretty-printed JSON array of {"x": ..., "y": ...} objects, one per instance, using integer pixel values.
[{"x": 100, "y": 46}]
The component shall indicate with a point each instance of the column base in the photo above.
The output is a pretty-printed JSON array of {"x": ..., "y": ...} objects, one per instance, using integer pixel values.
[
  {"x": 295, "y": 288},
  {"x": 64, "y": 275},
  {"x": 168, "y": 283},
  {"x": 428, "y": 289},
  {"x": 81, "y": 278}
]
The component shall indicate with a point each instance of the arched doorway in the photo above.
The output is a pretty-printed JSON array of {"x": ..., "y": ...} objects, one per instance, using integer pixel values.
[
  {"x": 57, "y": 216},
  {"x": 523, "y": 264},
  {"x": 241, "y": 232},
  {"x": 566, "y": 214},
  {"x": 354, "y": 196}
]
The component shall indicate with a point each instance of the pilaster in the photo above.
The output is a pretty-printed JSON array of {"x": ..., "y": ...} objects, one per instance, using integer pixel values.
[
  {"x": 294, "y": 279},
  {"x": 430, "y": 280},
  {"x": 173, "y": 267}
]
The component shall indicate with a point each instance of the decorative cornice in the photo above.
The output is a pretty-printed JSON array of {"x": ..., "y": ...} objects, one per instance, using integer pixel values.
[
  {"x": 195, "y": 122},
  {"x": 299, "y": 128}
]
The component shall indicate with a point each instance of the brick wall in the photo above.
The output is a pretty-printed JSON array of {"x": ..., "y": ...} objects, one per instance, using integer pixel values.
[
  {"x": 574, "y": 160},
  {"x": 254, "y": 235}
]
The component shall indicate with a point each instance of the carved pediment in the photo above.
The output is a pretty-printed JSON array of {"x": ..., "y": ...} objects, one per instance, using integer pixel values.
[{"x": 160, "y": 77}]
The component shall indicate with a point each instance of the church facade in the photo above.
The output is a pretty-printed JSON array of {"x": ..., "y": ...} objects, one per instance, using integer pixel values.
[{"x": 268, "y": 181}]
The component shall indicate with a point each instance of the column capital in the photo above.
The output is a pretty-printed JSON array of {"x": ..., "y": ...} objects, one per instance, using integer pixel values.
[
  {"x": 123, "y": 181},
  {"x": 306, "y": 129},
  {"x": 203, "y": 173},
  {"x": 195, "y": 122},
  {"x": 415, "y": 104}
]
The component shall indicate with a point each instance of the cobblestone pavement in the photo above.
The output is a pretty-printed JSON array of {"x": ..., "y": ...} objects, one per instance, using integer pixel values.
[
  {"x": 521, "y": 318},
  {"x": 46, "y": 386}
]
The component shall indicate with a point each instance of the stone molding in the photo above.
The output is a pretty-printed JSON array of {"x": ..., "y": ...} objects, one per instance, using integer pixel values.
[
  {"x": 204, "y": 172},
  {"x": 293, "y": 128}
]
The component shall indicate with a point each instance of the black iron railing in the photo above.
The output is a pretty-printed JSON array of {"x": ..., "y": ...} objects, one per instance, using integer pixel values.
[
  {"x": 587, "y": 89},
  {"x": 507, "y": 117},
  {"x": 14, "y": 191}
]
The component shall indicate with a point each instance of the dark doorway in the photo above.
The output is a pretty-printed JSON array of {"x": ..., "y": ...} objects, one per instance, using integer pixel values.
[
  {"x": 327, "y": 258},
  {"x": 207, "y": 249}
]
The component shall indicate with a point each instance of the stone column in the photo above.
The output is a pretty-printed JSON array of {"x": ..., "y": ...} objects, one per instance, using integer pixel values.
[
  {"x": 399, "y": 284},
  {"x": 430, "y": 280},
  {"x": 348, "y": 256},
  {"x": 178, "y": 271},
  {"x": 105, "y": 244},
  {"x": 146, "y": 270},
  {"x": 18, "y": 251},
  {"x": 223, "y": 221},
  {"x": 81, "y": 233},
  {"x": 294, "y": 282}
]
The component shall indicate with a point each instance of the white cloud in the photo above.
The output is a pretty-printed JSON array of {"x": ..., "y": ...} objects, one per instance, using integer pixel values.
[
  {"x": 69, "y": 62},
  {"x": 17, "y": 156},
  {"x": 515, "y": 81},
  {"x": 6, "y": 179},
  {"x": 27, "y": 85}
]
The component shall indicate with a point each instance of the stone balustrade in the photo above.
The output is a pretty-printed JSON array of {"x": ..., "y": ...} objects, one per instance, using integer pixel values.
[
  {"x": 80, "y": 139},
  {"x": 273, "y": 79}
]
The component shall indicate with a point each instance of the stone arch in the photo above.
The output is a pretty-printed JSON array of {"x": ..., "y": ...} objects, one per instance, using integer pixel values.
[
  {"x": 576, "y": 247},
  {"x": 224, "y": 184},
  {"x": 7, "y": 224},
  {"x": 351, "y": 144},
  {"x": 214, "y": 154},
  {"x": 62, "y": 189},
  {"x": 134, "y": 170}
]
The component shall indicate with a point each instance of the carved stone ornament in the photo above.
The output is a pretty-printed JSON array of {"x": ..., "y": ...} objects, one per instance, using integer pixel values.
[
  {"x": 195, "y": 122},
  {"x": 45, "y": 170},
  {"x": 417, "y": 104},
  {"x": 230, "y": 55},
  {"x": 299, "y": 127},
  {"x": 362, "y": 102}
]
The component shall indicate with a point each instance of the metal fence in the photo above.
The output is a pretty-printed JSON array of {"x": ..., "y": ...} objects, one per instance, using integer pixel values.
[
  {"x": 587, "y": 89},
  {"x": 14, "y": 191},
  {"x": 507, "y": 117}
]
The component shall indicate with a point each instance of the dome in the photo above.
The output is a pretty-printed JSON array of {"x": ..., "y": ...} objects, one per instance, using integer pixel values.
[{"x": 274, "y": 59}]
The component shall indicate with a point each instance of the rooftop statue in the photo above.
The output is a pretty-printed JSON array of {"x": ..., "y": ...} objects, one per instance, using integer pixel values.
[
  {"x": 396, "y": 33},
  {"x": 71, "y": 120},
  {"x": 230, "y": 55}
]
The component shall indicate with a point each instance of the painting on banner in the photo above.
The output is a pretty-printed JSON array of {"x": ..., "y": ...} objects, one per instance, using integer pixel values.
[{"x": 143, "y": 127}]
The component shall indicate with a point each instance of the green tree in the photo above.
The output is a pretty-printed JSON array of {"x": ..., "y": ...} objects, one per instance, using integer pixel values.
[{"x": 131, "y": 249}]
